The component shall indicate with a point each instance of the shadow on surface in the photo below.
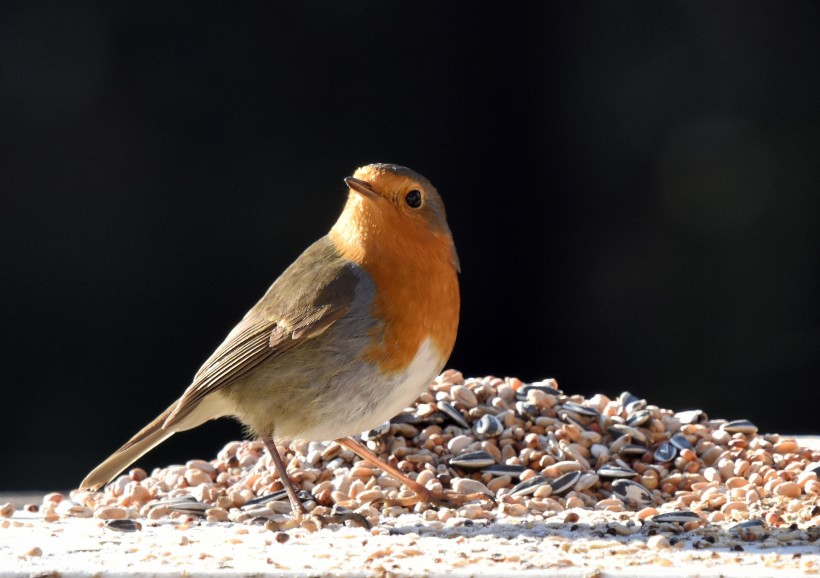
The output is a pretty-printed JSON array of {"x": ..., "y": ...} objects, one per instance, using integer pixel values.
[{"x": 738, "y": 537}]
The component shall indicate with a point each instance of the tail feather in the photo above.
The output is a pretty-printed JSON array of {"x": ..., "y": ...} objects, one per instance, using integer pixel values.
[
  {"x": 148, "y": 438},
  {"x": 209, "y": 407}
]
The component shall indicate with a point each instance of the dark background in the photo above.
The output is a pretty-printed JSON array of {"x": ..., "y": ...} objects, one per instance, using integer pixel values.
[{"x": 633, "y": 189}]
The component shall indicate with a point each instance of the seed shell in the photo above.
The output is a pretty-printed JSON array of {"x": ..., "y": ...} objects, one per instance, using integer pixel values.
[
  {"x": 504, "y": 470},
  {"x": 451, "y": 412},
  {"x": 691, "y": 416},
  {"x": 527, "y": 487},
  {"x": 580, "y": 409},
  {"x": 631, "y": 493},
  {"x": 526, "y": 410},
  {"x": 123, "y": 525},
  {"x": 753, "y": 525},
  {"x": 184, "y": 505},
  {"x": 665, "y": 452},
  {"x": 377, "y": 432},
  {"x": 638, "y": 418},
  {"x": 473, "y": 460},
  {"x": 572, "y": 418},
  {"x": 627, "y": 398},
  {"x": 681, "y": 442},
  {"x": 488, "y": 426},
  {"x": 619, "y": 430},
  {"x": 613, "y": 471},
  {"x": 743, "y": 426},
  {"x": 521, "y": 394},
  {"x": 680, "y": 516},
  {"x": 564, "y": 483},
  {"x": 274, "y": 497},
  {"x": 633, "y": 450}
]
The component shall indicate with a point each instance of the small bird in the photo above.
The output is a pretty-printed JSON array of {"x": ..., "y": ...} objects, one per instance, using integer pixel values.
[{"x": 349, "y": 335}]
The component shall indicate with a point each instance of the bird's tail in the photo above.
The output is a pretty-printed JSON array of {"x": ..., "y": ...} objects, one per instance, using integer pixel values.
[
  {"x": 209, "y": 407},
  {"x": 148, "y": 438}
]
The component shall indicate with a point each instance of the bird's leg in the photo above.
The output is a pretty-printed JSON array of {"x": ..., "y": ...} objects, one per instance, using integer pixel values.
[
  {"x": 299, "y": 511},
  {"x": 423, "y": 494}
]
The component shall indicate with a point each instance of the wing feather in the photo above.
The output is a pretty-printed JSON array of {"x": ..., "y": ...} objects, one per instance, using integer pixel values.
[{"x": 310, "y": 296}]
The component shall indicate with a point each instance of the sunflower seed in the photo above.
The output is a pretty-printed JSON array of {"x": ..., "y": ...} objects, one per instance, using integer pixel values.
[
  {"x": 691, "y": 416},
  {"x": 406, "y": 417},
  {"x": 574, "y": 455},
  {"x": 123, "y": 525},
  {"x": 521, "y": 394},
  {"x": 680, "y": 516},
  {"x": 640, "y": 417},
  {"x": 192, "y": 509},
  {"x": 526, "y": 410},
  {"x": 564, "y": 483},
  {"x": 435, "y": 418},
  {"x": 633, "y": 450},
  {"x": 680, "y": 442},
  {"x": 473, "y": 460},
  {"x": 634, "y": 406},
  {"x": 580, "y": 409},
  {"x": 184, "y": 504},
  {"x": 626, "y": 398},
  {"x": 743, "y": 426},
  {"x": 377, "y": 432},
  {"x": 455, "y": 415},
  {"x": 620, "y": 443},
  {"x": 554, "y": 446},
  {"x": 488, "y": 426},
  {"x": 665, "y": 452},
  {"x": 275, "y": 497},
  {"x": 504, "y": 470},
  {"x": 613, "y": 471},
  {"x": 617, "y": 430},
  {"x": 527, "y": 487},
  {"x": 631, "y": 493},
  {"x": 573, "y": 419},
  {"x": 586, "y": 481},
  {"x": 754, "y": 525}
]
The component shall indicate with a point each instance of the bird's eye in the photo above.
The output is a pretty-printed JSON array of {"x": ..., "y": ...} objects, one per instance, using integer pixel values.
[{"x": 413, "y": 199}]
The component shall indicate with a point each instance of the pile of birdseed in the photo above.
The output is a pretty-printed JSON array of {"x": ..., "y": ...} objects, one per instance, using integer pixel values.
[{"x": 617, "y": 468}]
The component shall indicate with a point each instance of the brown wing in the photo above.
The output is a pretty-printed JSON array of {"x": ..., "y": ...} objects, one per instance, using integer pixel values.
[{"x": 313, "y": 293}]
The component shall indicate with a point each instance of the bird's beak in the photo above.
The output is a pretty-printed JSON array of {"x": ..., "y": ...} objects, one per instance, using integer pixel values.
[{"x": 360, "y": 187}]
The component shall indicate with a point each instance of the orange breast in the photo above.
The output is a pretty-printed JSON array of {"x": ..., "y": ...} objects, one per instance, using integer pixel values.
[{"x": 415, "y": 277}]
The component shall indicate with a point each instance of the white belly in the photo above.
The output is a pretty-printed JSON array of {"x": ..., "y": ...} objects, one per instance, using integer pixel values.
[{"x": 378, "y": 398}]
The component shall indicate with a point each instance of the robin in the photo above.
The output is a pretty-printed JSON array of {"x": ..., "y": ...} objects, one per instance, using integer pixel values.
[{"x": 348, "y": 336}]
